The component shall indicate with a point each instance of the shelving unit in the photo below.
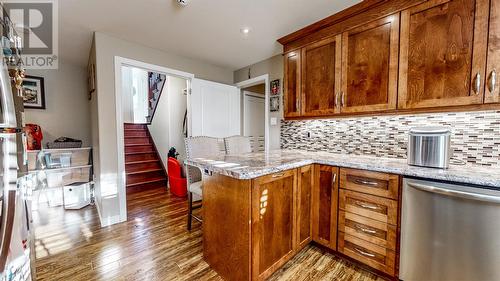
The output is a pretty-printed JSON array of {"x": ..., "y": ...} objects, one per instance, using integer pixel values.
[{"x": 68, "y": 170}]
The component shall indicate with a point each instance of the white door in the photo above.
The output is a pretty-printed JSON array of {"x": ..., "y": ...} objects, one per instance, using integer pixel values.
[
  {"x": 214, "y": 109},
  {"x": 254, "y": 114},
  {"x": 254, "y": 119}
]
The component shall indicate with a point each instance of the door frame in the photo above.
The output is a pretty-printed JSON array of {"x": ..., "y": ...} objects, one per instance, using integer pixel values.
[
  {"x": 121, "y": 177},
  {"x": 252, "y": 82}
]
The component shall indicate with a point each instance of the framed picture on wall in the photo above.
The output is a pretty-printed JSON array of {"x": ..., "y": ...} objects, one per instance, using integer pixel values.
[
  {"x": 91, "y": 79},
  {"x": 275, "y": 87},
  {"x": 33, "y": 92},
  {"x": 274, "y": 103}
]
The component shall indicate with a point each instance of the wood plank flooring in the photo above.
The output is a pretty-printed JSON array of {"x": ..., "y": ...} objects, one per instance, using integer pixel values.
[{"x": 152, "y": 245}]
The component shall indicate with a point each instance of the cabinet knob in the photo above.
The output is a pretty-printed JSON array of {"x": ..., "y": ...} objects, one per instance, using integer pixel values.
[{"x": 492, "y": 82}]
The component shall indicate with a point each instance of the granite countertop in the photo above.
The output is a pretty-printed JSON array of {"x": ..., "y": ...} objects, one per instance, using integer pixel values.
[{"x": 253, "y": 165}]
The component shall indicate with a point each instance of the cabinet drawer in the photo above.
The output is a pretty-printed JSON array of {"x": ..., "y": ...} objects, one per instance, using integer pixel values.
[
  {"x": 377, "y": 208},
  {"x": 373, "y": 231},
  {"x": 370, "y": 254},
  {"x": 375, "y": 183}
]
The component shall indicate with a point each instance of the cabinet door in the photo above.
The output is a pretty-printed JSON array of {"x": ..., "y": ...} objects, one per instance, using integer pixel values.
[
  {"x": 492, "y": 93},
  {"x": 273, "y": 225},
  {"x": 321, "y": 71},
  {"x": 325, "y": 203},
  {"x": 370, "y": 66},
  {"x": 304, "y": 191},
  {"x": 443, "y": 53},
  {"x": 292, "y": 88}
]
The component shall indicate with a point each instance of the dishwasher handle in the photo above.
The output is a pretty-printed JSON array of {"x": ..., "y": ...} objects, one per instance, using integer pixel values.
[{"x": 455, "y": 193}]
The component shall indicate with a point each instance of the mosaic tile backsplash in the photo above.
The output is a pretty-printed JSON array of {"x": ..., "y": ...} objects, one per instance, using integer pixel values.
[{"x": 475, "y": 135}]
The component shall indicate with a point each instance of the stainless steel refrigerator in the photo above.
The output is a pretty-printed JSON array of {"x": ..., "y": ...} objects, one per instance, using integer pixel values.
[{"x": 16, "y": 232}]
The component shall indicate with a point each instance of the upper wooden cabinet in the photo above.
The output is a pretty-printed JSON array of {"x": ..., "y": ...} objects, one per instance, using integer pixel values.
[
  {"x": 370, "y": 66},
  {"x": 395, "y": 56},
  {"x": 321, "y": 77},
  {"x": 443, "y": 53},
  {"x": 492, "y": 92},
  {"x": 292, "y": 85}
]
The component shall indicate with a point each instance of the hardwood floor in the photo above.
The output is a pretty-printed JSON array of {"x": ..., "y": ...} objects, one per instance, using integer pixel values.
[{"x": 152, "y": 245}]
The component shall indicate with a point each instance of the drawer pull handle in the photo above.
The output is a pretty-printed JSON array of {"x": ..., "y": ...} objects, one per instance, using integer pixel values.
[
  {"x": 278, "y": 175},
  {"x": 365, "y": 230},
  {"x": 367, "y": 206},
  {"x": 366, "y": 182},
  {"x": 364, "y": 253}
]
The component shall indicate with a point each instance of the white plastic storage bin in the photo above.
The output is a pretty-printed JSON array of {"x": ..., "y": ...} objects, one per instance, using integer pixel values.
[{"x": 77, "y": 195}]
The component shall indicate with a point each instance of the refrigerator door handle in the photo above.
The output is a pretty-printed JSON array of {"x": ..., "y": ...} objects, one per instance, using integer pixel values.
[
  {"x": 7, "y": 227},
  {"x": 7, "y": 108}
]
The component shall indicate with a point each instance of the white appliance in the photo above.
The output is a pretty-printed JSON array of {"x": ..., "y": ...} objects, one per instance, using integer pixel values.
[{"x": 449, "y": 232}]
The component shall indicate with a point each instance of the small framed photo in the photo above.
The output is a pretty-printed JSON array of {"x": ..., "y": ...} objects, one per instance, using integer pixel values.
[
  {"x": 275, "y": 87},
  {"x": 33, "y": 92},
  {"x": 274, "y": 103},
  {"x": 91, "y": 79}
]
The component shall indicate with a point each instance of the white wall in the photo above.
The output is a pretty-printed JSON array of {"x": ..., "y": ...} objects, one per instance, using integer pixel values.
[
  {"x": 106, "y": 48},
  {"x": 166, "y": 128},
  {"x": 135, "y": 91},
  {"x": 274, "y": 67},
  {"x": 67, "y": 110}
]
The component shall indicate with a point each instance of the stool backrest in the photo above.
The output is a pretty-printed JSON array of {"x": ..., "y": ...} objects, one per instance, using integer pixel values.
[{"x": 238, "y": 145}]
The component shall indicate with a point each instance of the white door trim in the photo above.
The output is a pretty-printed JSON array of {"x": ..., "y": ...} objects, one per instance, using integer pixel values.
[
  {"x": 119, "y": 62},
  {"x": 252, "y": 82}
]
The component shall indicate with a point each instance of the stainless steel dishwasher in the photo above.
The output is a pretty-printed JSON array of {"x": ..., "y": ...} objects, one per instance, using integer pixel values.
[{"x": 449, "y": 232}]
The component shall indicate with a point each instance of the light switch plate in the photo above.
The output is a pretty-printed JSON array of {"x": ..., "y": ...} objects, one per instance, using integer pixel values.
[{"x": 274, "y": 121}]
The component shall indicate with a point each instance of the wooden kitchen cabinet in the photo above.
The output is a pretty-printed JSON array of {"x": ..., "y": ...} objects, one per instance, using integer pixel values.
[
  {"x": 292, "y": 89},
  {"x": 273, "y": 224},
  {"x": 304, "y": 205},
  {"x": 492, "y": 91},
  {"x": 370, "y": 66},
  {"x": 320, "y": 77},
  {"x": 443, "y": 54},
  {"x": 325, "y": 205}
]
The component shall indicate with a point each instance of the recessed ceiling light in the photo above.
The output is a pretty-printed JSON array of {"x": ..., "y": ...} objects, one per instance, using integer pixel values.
[{"x": 245, "y": 30}]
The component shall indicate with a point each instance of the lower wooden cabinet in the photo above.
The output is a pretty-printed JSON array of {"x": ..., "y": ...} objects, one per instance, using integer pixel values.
[
  {"x": 373, "y": 231},
  {"x": 373, "y": 255},
  {"x": 273, "y": 225},
  {"x": 325, "y": 204},
  {"x": 304, "y": 205}
]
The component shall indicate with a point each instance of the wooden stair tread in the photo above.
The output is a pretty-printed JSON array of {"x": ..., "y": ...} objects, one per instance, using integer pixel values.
[
  {"x": 138, "y": 144},
  {"x": 140, "y": 152},
  {"x": 151, "y": 180},
  {"x": 144, "y": 171},
  {"x": 142, "y": 162}
]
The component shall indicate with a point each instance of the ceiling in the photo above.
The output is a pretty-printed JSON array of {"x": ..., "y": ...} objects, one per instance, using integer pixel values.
[{"x": 208, "y": 30}]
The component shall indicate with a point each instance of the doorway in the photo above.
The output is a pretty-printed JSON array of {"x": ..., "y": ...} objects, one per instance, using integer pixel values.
[
  {"x": 255, "y": 111},
  {"x": 254, "y": 108},
  {"x": 143, "y": 145}
]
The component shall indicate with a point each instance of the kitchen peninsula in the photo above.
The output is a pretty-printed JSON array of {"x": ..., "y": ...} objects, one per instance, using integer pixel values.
[{"x": 260, "y": 209}]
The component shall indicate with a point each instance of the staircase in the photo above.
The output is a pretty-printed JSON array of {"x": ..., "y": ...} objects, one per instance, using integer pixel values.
[
  {"x": 143, "y": 166},
  {"x": 156, "y": 84}
]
